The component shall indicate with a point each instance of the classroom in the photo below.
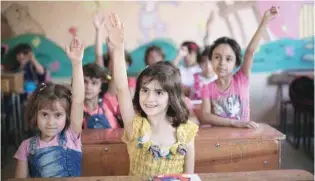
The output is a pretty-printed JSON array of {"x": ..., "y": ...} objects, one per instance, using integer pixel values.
[{"x": 157, "y": 90}]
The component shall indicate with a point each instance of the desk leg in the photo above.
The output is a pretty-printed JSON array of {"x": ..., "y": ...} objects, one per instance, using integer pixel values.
[
  {"x": 4, "y": 136},
  {"x": 280, "y": 110},
  {"x": 19, "y": 118},
  {"x": 15, "y": 122}
]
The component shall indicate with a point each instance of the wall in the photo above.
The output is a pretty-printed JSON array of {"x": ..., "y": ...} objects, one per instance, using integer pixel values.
[{"x": 176, "y": 20}]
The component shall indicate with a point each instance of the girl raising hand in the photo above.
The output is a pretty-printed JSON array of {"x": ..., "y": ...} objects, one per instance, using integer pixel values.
[{"x": 158, "y": 134}]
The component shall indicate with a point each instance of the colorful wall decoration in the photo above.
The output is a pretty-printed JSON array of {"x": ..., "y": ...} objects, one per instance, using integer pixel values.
[
  {"x": 287, "y": 25},
  {"x": 284, "y": 54}
]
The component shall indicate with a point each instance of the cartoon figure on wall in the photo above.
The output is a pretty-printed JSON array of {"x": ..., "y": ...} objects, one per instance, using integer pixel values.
[{"x": 151, "y": 25}]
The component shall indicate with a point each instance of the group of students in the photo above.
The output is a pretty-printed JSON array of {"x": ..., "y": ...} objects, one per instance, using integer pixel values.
[{"x": 152, "y": 108}]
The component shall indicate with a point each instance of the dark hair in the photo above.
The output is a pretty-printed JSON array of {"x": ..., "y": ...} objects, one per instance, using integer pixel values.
[
  {"x": 192, "y": 47},
  {"x": 204, "y": 53},
  {"x": 232, "y": 43},
  {"x": 106, "y": 59},
  {"x": 93, "y": 70},
  {"x": 44, "y": 96},
  {"x": 22, "y": 48},
  {"x": 151, "y": 49},
  {"x": 169, "y": 78}
]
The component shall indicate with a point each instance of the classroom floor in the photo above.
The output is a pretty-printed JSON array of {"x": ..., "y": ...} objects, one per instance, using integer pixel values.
[{"x": 291, "y": 159}]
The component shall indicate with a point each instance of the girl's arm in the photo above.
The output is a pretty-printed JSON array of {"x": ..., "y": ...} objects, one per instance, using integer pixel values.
[
  {"x": 189, "y": 165},
  {"x": 208, "y": 28},
  {"x": 116, "y": 44},
  {"x": 99, "y": 36},
  {"x": 254, "y": 43},
  {"x": 183, "y": 51},
  {"x": 75, "y": 54},
  {"x": 21, "y": 169},
  {"x": 213, "y": 119},
  {"x": 38, "y": 67}
]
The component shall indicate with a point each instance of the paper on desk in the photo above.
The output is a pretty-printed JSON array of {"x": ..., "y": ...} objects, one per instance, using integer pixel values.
[
  {"x": 194, "y": 177},
  {"x": 180, "y": 177}
]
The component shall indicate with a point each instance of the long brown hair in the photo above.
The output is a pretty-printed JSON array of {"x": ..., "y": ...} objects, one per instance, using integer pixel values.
[{"x": 168, "y": 77}]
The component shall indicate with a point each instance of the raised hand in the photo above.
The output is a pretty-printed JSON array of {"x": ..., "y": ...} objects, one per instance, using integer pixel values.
[
  {"x": 75, "y": 51},
  {"x": 99, "y": 20},
  {"x": 31, "y": 56},
  {"x": 271, "y": 13},
  {"x": 115, "y": 31}
]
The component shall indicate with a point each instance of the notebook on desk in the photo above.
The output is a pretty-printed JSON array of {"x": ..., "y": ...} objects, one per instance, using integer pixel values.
[{"x": 177, "y": 177}]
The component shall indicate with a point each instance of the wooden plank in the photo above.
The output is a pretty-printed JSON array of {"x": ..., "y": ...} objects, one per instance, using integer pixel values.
[
  {"x": 271, "y": 175},
  {"x": 263, "y": 132}
]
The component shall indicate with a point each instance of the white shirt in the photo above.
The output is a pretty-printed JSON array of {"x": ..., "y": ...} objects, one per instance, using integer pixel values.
[{"x": 187, "y": 74}]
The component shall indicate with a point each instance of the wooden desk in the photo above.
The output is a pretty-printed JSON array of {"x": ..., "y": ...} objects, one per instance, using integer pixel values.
[
  {"x": 284, "y": 79},
  {"x": 218, "y": 149},
  {"x": 272, "y": 175}
]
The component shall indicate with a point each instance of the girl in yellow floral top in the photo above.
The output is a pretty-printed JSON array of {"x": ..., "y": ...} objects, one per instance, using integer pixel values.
[{"x": 159, "y": 137}]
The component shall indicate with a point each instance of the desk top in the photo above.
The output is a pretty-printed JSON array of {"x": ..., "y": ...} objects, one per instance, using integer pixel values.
[
  {"x": 272, "y": 175},
  {"x": 263, "y": 132},
  {"x": 287, "y": 77}
]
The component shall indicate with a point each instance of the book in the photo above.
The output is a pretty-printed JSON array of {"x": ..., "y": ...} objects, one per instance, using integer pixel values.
[{"x": 177, "y": 177}]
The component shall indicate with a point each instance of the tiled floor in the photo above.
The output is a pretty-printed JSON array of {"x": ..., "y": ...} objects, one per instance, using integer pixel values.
[{"x": 291, "y": 159}]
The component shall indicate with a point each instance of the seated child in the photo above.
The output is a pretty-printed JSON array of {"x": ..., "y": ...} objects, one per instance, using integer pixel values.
[
  {"x": 226, "y": 101},
  {"x": 57, "y": 113},
  {"x": 33, "y": 70},
  {"x": 189, "y": 52},
  {"x": 206, "y": 76},
  {"x": 153, "y": 54},
  {"x": 97, "y": 113},
  {"x": 158, "y": 134}
]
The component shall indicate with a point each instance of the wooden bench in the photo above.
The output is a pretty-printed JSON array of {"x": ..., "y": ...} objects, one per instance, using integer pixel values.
[
  {"x": 218, "y": 149},
  {"x": 271, "y": 175}
]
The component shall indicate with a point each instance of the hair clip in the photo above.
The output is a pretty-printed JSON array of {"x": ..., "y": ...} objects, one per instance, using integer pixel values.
[
  {"x": 108, "y": 77},
  {"x": 42, "y": 87},
  {"x": 193, "y": 46}
]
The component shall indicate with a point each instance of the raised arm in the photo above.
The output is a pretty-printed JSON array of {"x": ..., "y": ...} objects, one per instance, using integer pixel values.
[
  {"x": 116, "y": 44},
  {"x": 209, "y": 24},
  {"x": 99, "y": 21},
  {"x": 182, "y": 52},
  {"x": 38, "y": 67},
  {"x": 75, "y": 54},
  {"x": 254, "y": 43}
]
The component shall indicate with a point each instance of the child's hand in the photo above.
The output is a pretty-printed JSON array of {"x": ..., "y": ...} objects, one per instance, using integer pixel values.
[
  {"x": 252, "y": 125},
  {"x": 244, "y": 124},
  {"x": 31, "y": 56},
  {"x": 271, "y": 13},
  {"x": 115, "y": 32},
  {"x": 75, "y": 51},
  {"x": 99, "y": 20}
]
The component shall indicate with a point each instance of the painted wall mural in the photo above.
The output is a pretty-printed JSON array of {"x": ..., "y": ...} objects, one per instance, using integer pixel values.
[
  {"x": 20, "y": 21},
  {"x": 277, "y": 55},
  {"x": 291, "y": 45},
  {"x": 288, "y": 24},
  {"x": 150, "y": 22}
]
